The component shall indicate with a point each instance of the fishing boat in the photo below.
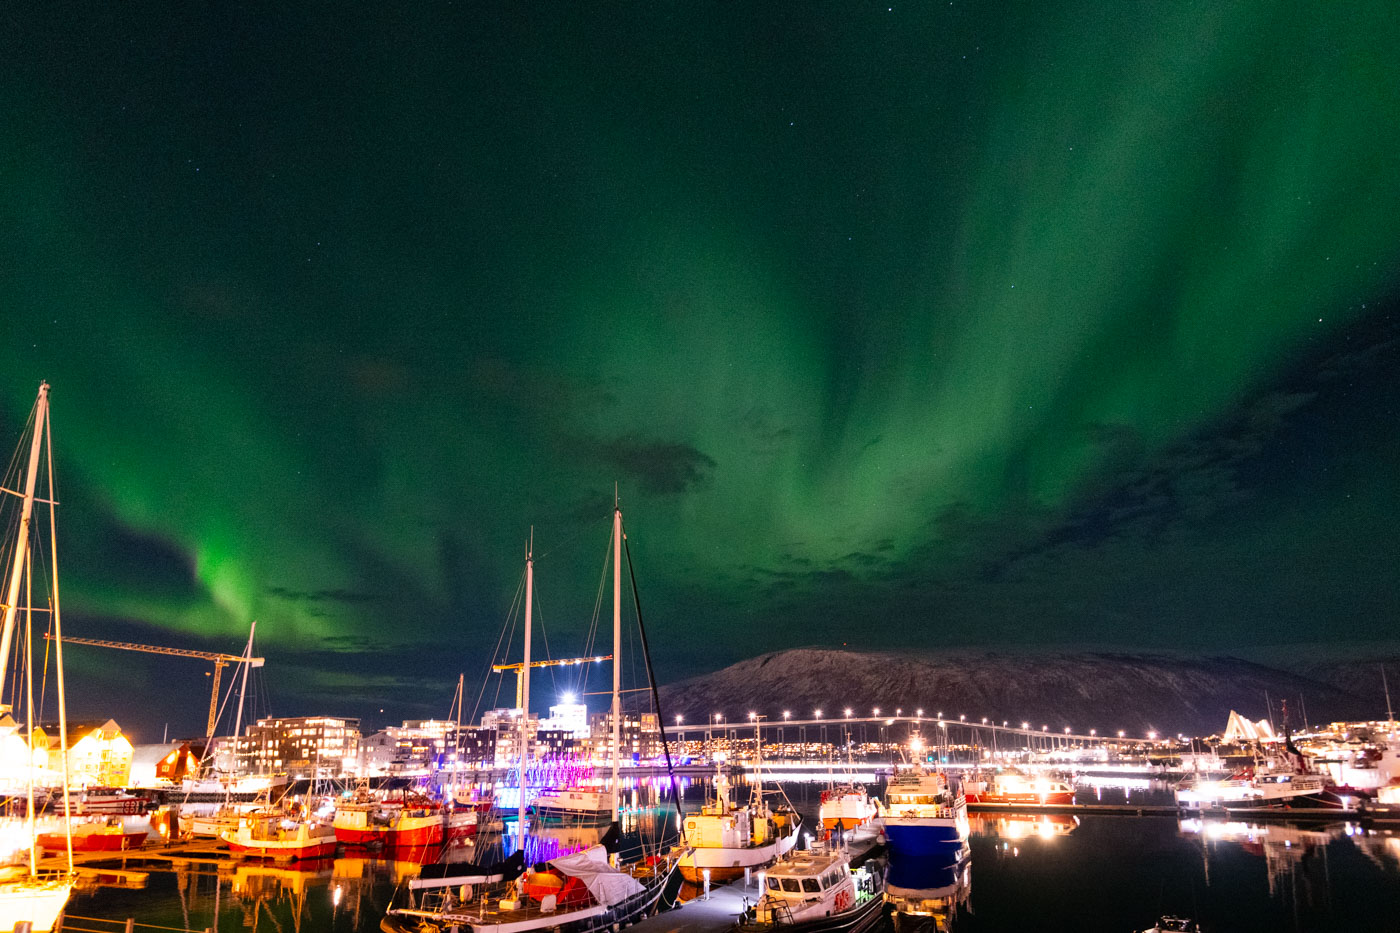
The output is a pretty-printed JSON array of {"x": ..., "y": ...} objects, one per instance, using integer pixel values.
[
  {"x": 581, "y": 892},
  {"x": 924, "y": 814},
  {"x": 104, "y": 836},
  {"x": 282, "y": 838},
  {"x": 846, "y": 806},
  {"x": 412, "y": 820},
  {"x": 817, "y": 892},
  {"x": 1016, "y": 787},
  {"x": 726, "y": 840},
  {"x": 29, "y": 896}
]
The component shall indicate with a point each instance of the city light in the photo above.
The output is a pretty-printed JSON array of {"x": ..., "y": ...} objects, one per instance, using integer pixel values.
[{"x": 848, "y": 712}]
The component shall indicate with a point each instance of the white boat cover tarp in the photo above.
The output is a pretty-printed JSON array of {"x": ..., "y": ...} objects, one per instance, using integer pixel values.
[{"x": 607, "y": 885}]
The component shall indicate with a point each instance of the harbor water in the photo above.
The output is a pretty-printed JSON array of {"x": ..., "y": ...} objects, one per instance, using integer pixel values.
[{"x": 1022, "y": 872}]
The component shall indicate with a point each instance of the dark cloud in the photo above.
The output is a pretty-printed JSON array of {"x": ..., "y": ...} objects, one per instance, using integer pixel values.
[
  {"x": 659, "y": 467},
  {"x": 321, "y": 596}
]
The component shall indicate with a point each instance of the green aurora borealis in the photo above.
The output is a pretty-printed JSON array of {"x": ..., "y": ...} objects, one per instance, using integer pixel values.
[{"x": 949, "y": 323}]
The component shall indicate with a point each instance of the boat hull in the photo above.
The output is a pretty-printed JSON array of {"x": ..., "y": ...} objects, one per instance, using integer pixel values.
[
  {"x": 38, "y": 903},
  {"x": 580, "y": 817},
  {"x": 287, "y": 853},
  {"x": 922, "y": 837},
  {"x": 727, "y": 864},
  {"x": 864, "y": 916},
  {"x": 1057, "y": 799},
  {"x": 93, "y": 842}
]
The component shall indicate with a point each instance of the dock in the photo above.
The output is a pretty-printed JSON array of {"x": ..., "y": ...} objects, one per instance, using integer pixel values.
[{"x": 1382, "y": 815}]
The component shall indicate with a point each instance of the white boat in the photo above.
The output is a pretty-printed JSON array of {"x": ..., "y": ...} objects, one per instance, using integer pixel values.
[
  {"x": 1272, "y": 782},
  {"x": 30, "y": 896},
  {"x": 817, "y": 891},
  {"x": 725, "y": 839},
  {"x": 925, "y": 815},
  {"x": 575, "y": 804},
  {"x": 577, "y": 893}
]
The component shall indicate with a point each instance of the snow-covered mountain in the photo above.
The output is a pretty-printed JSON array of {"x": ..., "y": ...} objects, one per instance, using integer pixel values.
[{"x": 1103, "y": 691}]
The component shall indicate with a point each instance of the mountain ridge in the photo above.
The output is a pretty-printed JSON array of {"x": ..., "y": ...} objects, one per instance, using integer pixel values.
[{"x": 1106, "y": 690}]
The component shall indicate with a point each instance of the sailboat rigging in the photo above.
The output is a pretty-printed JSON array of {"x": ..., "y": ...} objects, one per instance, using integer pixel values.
[
  {"x": 35, "y": 898},
  {"x": 583, "y": 892}
]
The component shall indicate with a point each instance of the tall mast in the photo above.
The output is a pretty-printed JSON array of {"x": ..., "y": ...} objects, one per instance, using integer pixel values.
[
  {"x": 58, "y": 645},
  {"x": 41, "y": 413},
  {"x": 617, "y": 655},
  {"x": 457, "y": 738},
  {"x": 243, "y": 690},
  {"x": 525, "y": 686}
]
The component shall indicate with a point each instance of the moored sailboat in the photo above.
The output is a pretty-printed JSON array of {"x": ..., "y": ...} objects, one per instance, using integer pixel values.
[
  {"x": 34, "y": 898},
  {"x": 581, "y": 892}
]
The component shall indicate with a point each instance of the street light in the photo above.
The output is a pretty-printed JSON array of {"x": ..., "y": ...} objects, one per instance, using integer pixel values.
[
  {"x": 819, "y": 714},
  {"x": 875, "y": 711},
  {"x": 848, "y": 712},
  {"x": 679, "y": 719},
  {"x": 787, "y": 714},
  {"x": 1120, "y": 733},
  {"x": 962, "y": 717}
]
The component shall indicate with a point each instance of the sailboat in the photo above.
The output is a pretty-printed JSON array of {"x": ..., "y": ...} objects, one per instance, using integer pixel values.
[
  {"x": 35, "y": 898},
  {"x": 582, "y": 892},
  {"x": 229, "y": 815}
]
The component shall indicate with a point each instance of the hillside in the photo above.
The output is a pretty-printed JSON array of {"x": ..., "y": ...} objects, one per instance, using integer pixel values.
[{"x": 1103, "y": 691}]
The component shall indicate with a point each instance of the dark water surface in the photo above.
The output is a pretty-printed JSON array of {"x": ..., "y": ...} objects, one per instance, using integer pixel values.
[{"x": 1091, "y": 873}]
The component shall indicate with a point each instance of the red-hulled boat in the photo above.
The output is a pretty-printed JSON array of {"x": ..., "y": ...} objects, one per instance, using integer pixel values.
[
  {"x": 1013, "y": 787},
  {"x": 110, "y": 836}
]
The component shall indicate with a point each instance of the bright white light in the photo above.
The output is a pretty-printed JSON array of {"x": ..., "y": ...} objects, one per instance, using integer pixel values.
[{"x": 568, "y": 698}]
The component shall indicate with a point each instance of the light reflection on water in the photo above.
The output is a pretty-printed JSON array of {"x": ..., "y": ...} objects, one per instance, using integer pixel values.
[{"x": 1045, "y": 871}]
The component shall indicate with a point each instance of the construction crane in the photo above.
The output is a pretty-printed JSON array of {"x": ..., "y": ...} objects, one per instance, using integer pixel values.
[
  {"x": 518, "y": 666},
  {"x": 221, "y": 661}
]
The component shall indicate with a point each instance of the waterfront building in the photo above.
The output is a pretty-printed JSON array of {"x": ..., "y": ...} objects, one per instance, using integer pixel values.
[
  {"x": 302, "y": 747},
  {"x": 639, "y": 737},
  {"x": 98, "y": 754}
]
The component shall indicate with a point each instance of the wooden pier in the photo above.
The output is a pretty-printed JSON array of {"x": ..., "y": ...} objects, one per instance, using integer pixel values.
[{"x": 1383, "y": 815}]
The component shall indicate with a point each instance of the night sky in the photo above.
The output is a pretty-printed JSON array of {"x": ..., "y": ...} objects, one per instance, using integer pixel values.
[{"x": 969, "y": 324}]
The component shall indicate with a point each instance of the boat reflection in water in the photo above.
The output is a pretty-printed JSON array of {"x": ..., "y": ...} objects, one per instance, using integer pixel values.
[
  {"x": 1015, "y": 826},
  {"x": 1295, "y": 857},
  {"x": 278, "y": 889},
  {"x": 927, "y": 893}
]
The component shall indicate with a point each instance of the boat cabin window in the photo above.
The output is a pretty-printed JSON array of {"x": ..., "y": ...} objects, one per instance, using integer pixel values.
[
  {"x": 790, "y": 885},
  {"x": 810, "y": 886}
]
